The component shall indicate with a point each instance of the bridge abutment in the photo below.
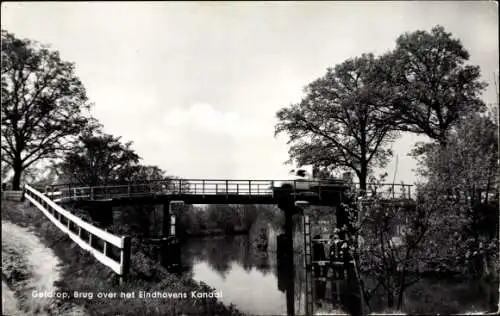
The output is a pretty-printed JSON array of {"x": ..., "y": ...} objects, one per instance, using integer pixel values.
[{"x": 102, "y": 213}]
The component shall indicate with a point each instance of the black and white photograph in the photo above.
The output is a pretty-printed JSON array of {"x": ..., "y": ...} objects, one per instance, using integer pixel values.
[{"x": 181, "y": 158}]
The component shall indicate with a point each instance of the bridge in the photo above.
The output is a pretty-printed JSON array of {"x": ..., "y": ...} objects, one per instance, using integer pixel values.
[
  {"x": 115, "y": 251},
  {"x": 204, "y": 191}
]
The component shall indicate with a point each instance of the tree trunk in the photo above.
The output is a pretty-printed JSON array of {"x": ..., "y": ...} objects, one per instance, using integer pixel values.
[
  {"x": 363, "y": 175},
  {"x": 16, "y": 181}
]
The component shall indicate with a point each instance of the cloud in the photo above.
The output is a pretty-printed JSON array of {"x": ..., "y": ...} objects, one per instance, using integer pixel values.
[{"x": 203, "y": 116}]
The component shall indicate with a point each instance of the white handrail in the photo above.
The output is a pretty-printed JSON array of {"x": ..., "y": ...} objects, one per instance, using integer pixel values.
[
  {"x": 79, "y": 222},
  {"x": 120, "y": 267}
]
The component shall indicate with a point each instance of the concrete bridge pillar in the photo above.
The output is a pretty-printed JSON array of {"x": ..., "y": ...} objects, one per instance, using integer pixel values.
[{"x": 285, "y": 242}]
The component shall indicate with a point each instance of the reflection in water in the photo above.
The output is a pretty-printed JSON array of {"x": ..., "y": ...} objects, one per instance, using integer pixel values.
[
  {"x": 250, "y": 290},
  {"x": 251, "y": 279},
  {"x": 253, "y": 282}
]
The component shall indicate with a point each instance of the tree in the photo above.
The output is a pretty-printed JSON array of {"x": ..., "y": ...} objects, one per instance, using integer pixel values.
[
  {"x": 340, "y": 122},
  {"x": 432, "y": 87},
  {"x": 42, "y": 103},
  {"x": 468, "y": 164},
  {"x": 467, "y": 171},
  {"x": 147, "y": 173},
  {"x": 100, "y": 159},
  {"x": 394, "y": 243}
]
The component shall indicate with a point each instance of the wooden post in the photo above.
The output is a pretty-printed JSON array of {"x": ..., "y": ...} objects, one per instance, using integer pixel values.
[
  {"x": 250, "y": 187},
  {"x": 237, "y": 188},
  {"x": 125, "y": 258},
  {"x": 227, "y": 184}
]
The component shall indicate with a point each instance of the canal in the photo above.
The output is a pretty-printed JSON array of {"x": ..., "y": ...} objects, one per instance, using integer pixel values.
[{"x": 253, "y": 281}]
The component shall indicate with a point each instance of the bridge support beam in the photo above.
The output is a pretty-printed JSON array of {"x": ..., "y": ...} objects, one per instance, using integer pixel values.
[
  {"x": 170, "y": 252},
  {"x": 169, "y": 222},
  {"x": 285, "y": 242}
]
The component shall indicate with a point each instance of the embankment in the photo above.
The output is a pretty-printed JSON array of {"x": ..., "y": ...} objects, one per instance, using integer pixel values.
[{"x": 81, "y": 273}]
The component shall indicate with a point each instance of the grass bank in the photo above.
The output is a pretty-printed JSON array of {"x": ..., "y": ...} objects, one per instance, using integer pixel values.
[{"x": 82, "y": 273}]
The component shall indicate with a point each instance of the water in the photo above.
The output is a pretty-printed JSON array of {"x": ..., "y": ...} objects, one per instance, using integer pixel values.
[
  {"x": 253, "y": 282},
  {"x": 249, "y": 279}
]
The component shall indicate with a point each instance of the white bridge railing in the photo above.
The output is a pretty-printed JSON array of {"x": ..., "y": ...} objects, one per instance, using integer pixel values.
[{"x": 110, "y": 250}]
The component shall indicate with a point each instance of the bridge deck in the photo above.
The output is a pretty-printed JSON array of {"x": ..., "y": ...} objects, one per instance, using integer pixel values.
[{"x": 321, "y": 192}]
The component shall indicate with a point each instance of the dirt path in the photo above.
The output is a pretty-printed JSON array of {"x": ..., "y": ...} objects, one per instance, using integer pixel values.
[
  {"x": 9, "y": 302},
  {"x": 28, "y": 268}
]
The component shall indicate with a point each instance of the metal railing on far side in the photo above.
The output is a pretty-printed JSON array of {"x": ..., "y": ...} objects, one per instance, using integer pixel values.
[{"x": 110, "y": 250}]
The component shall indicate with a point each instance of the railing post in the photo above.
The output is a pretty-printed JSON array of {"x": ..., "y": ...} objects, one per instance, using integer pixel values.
[
  {"x": 125, "y": 259},
  {"x": 180, "y": 186},
  {"x": 216, "y": 188},
  {"x": 250, "y": 187},
  {"x": 237, "y": 188},
  {"x": 227, "y": 187},
  {"x": 203, "y": 186}
]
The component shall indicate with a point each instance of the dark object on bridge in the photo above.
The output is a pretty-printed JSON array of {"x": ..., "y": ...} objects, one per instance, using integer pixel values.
[
  {"x": 170, "y": 253},
  {"x": 4, "y": 186}
]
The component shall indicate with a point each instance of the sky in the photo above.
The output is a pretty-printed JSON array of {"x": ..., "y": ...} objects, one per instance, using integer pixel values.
[{"x": 196, "y": 85}]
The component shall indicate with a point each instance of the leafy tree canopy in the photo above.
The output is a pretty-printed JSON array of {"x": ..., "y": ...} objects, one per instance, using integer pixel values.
[
  {"x": 431, "y": 85},
  {"x": 340, "y": 122},
  {"x": 42, "y": 103}
]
